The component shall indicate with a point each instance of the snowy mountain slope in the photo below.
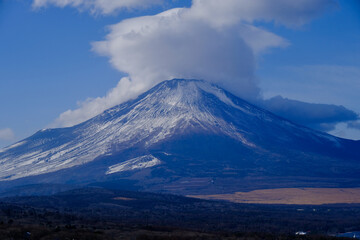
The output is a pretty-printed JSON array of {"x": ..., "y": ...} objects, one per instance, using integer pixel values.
[
  {"x": 182, "y": 119},
  {"x": 142, "y": 162},
  {"x": 148, "y": 119}
]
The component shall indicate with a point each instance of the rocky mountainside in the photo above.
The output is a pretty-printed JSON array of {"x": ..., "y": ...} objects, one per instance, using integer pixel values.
[{"x": 183, "y": 136}]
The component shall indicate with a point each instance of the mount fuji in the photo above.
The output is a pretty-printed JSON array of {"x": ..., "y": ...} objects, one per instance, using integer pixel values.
[{"x": 184, "y": 137}]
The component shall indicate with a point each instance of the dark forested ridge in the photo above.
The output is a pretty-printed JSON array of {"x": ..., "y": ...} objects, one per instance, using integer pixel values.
[{"x": 96, "y": 213}]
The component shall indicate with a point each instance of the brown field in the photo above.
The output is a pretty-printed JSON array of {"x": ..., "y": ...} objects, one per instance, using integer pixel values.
[
  {"x": 124, "y": 198},
  {"x": 306, "y": 196}
]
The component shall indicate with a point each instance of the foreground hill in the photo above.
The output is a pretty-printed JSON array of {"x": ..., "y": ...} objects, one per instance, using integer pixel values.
[
  {"x": 97, "y": 213},
  {"x": 186, "y": 137}
]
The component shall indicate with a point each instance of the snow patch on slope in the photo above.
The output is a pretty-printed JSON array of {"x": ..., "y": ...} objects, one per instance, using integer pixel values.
[
  {"x": 142, "y": 162},
  {"x": 220, "y": 94},
  {"x": 12, "y": 146}
]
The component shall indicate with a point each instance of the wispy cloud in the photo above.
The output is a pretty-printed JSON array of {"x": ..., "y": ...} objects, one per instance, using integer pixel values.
[
  {"x": 212, "y": 40},
  {"x": 345, "y": 130},
  {"x": 7, "y": 134},
  {"x": 98, "y": 6},
  {"x": 91, "y": 107},
  {"x": 354, "y": 124}
]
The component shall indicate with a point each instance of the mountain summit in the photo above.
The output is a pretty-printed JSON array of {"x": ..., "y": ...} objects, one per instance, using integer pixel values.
[{"x": 183, "y": 136}]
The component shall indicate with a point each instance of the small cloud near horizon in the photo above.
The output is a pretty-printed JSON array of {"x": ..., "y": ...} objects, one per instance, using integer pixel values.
[
  {"x": 354, "y": 124},
  {"x": 6, "y": 134}
]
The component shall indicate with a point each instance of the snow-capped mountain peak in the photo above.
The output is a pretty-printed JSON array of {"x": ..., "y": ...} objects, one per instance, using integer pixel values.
[
  {"x": 175, "y": 109},
  {"x": 169, "y": 107}
]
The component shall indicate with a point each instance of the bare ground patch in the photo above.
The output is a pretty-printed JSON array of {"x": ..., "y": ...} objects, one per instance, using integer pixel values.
[{"x": 306, "y": 196}]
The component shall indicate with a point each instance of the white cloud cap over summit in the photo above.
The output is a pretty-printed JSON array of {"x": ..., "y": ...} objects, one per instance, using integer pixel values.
[
  {"x": 176, "y": 44},
  {"x": 212, "y": 40}
]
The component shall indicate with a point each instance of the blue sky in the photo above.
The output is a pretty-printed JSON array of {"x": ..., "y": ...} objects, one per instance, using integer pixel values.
[{"x": 67, "y": 60}]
